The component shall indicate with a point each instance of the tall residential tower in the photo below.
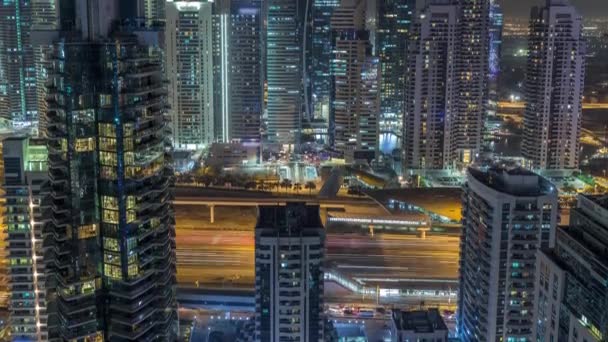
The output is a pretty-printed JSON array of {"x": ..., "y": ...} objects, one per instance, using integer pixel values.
[
  {"x": 289, "y": 252},
  {"x": 447, "y": 85},
  {"x": 25, "y": 177},
  {"x": 109, "y": 241},
  {"x": 508, "y": 215},
  {"x": 189, "y": 68},
  {"x": 356, "y": 82},
  {"x": 393, "y": 25},
  {"x": 554, "y": 87},
  {"x": 284, "y": 62}
]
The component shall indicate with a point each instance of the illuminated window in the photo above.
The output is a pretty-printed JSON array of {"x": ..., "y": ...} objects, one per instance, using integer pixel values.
[
  {"x": 107, "y": 130},
  {"x": 110, "y": 216},
  {"x": 129, "y": 158},
  {"x": 131, "y": 202},
  {"x": 105, "y": 99},
  {"x": 131, "y": 216},
  {"x": 112, "y": 271},
  {"x": 133, "y": 270},
  {"x": 85, "y": 145},
  {"x": 107, "y": 144},
  {"x": 128, "y": 144},
  {"x": 111, "y": 258},
  {"x": 108, "y": 158},
  {"x": 111, "y": 244},
  {"x": 109, "y": 202},
  {"x": 87, "y": 231}
]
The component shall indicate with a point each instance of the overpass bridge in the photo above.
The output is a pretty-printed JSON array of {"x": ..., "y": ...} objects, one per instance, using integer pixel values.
[{"x": 211, "y": 198}]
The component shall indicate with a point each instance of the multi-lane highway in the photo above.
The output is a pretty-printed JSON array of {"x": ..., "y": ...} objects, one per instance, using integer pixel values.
[{"x": 226, "y": 257}]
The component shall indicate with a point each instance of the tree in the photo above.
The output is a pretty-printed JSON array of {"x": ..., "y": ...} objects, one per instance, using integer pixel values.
[
  {"x": 286, "y": 184},
  {"x": 310, "y": 186},
  {"x": 297, "y": 187}
]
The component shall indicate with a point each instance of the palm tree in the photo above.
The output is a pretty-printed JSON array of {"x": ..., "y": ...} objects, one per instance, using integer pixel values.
[
  {"x": 310, "y": 186},
  {"x": 286, "y": 184},
  {"x": 297, "y": 187}
]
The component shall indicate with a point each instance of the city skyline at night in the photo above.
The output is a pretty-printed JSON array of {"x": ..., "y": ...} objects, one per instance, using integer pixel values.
[{"x": 303, "y": 170}]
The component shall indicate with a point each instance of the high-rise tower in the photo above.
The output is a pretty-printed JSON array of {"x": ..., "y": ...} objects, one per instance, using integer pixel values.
[
  {"x": 109, "y": 243},
  {"x": 431, "y": 82},
  {"x": 320, "y": 55},
  {"x": 284, "y": 62},
  {"x": 447, "y": 88},
  {"x": 289, "y": 251},
  {"x": 508, "y": 215},
  {"x": 393, "y": 24},
  {"x": 571, "y": 289},
  {"x": 356, "y": 82},
  {"x": 189, "y": 69},
  {"x": 245, "y": 70},
  {"x": 25, "y": 177},
  {"x": 554, "y": 87},
  {"x": 18, "y": 80}
]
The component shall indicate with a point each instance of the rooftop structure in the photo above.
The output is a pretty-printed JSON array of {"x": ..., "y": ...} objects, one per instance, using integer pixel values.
[{"x": 425, "y": 325}]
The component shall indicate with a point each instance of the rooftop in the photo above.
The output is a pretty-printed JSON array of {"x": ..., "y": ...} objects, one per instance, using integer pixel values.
[
  {"x": 422, "y": 321},
  {"x": 291, "y": 218},
  {"x": 516, "y": 181}
]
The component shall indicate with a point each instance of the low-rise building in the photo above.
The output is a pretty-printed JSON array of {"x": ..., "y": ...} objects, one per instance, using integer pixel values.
[
  {"x": 233, "y": 154},
  {"x": 421, "y": 325}
]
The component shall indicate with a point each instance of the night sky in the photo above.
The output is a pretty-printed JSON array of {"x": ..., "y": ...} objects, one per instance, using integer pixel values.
[{"x": 588, "y": 8}]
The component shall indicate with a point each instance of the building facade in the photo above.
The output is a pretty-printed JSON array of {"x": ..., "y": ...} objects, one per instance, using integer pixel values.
[
  {"x": 554, "y": 87},
  {"x": 25, "y": 176},
  {"x": 422, "y": 325},
  {"x": 284, "y": 62},
  {"x": 571, "y": 282},
  {"x": 356, "y": 84},
  {"x": 393, "y": 24},
  {"x": 289, "y": 253},
  {"x": 109, "y": 242},
  {"x": 246, "y": 71},
  {"x": 465, "y": 125},
  {"x": 320, "y": 45},
  {"x": 494, "y": 69},
  {"x": 447, "y": 85},
  {"x": 189, "y": 67},
  {"x": 18, "y": 80},
  {"x": 508, "y": 215},
  {"x": 430, "y": 94}
]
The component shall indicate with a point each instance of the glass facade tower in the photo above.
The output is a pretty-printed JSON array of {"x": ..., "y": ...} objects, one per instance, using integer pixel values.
[{"x": 109, "y": 243}]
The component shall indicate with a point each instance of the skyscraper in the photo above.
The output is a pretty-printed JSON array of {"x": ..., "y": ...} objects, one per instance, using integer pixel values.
[
  {"x": 18, "y": 81},
  {"x": 284, "y": 44},
  {"x": 109, "y": 243},
  {"x": 189, "y": 67},
  {"x": 356, "y": 82},
  {"x": 289, "y": 251},
  {"x": 494, "y": 55},
  {"x": 447, "y": 85},
  {"x": 245, "y": 68},
  {"x": 221, "y": 75},
  {"x": 431, "y": 80},
  {"x": 571, "y": 282},
  {"x": 554, "y": 87},
  {"x": 508, "y": 215},
  {"x": 393, "y": 22},
  {"x": 25, "y": 175},
  {"x": 465, "y": 125},
  {"x": 320, "y": 55}
]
